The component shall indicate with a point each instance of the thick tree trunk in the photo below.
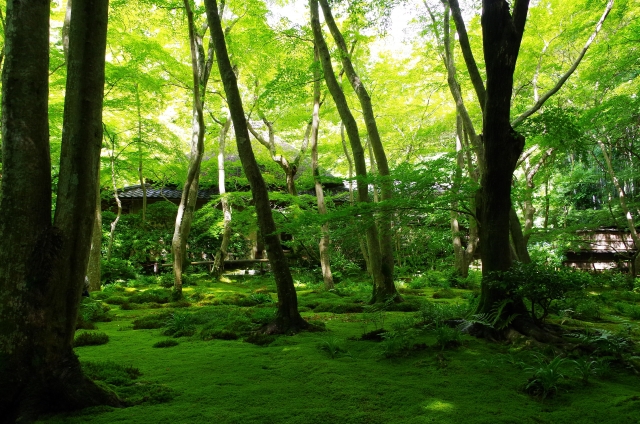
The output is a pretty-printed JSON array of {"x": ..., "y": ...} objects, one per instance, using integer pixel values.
[
  {"x": 288, "y": 318},
  {"x": 502, "y": 34},
  {"x": 386, "y": 185},
  {"x": 221, "y": 254},
  {"x": 517, "y": 236},
  {"x": 383, "y": 285},
  {"x": 323, "y": 246},
  {"x": 43, "y": 266}
]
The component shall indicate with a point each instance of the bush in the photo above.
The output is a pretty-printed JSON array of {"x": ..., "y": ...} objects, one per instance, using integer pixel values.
[
  {"x": 180, "y": 324},
  {"x": 447, "y": 337},
  {"x": 116, "y": 269},
  {"x": 541, "y": 285},
  {"x": 93, "y": 338},
  {"x": 92, "y": 311}
]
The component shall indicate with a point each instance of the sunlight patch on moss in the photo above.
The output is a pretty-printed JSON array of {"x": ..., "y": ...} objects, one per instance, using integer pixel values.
[{"x": 439, "y": 405}]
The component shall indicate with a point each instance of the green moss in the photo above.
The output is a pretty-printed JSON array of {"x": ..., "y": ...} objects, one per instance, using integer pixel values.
[
  {"x": 93, "y": 338},
  {"x": 289, "y": 379}
]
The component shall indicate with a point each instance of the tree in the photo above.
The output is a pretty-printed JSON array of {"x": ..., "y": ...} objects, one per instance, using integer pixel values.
[
  {"x": 288, "y": 318},
  {"x": 383, "y": 285},
  {"x": 201, "y": 67},
  {"x": 43, "y": 263}
]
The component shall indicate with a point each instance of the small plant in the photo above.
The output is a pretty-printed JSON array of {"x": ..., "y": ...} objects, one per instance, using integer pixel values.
[
  {"x": 585, "y": 368},
  {"x": 634, "y": 312},
  {"x": 332, "y": 346},
  {"x": 545, "y": 376},
  {"x": 209, "y": 334},
  {"x": 93, "y": 338},
  {"x": 165, "y": 343},
  {"x": 261, "y": 298},
  {"x": 447, "y": 337},
  {"x": 180, "y": 324},
  {"x": 397, "y": 343}
]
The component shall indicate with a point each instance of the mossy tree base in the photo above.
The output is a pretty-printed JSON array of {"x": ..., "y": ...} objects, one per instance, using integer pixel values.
[{"x": 54, "y": 388}]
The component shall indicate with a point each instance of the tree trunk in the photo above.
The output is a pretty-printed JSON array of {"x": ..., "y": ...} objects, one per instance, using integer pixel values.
[
  {"x": 383, "y": 285},
  {"x": 95, "y": 255},
  {"x": 114, "y": 223},
  {"x": 502, "y": 34},
  {"x": 361, "y": 239},
  {"x": 221, "y": 254},
  {"x": 288, "y": 318},
  {"x": 43, "y": 266},
  {"x": 519, "y": 241},
  {"x": 323, "y": 246},
  {"x": 386, "y": 184},
  {"x": 187, "y": 205},
  {"x": 140, "y": 175}
]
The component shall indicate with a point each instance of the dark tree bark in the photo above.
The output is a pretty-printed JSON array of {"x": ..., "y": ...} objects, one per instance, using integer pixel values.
[
  {"x": 43, "y": 264},
  {"x": 288, "y": 318},
  {"x": 384, "y": 287},
  {"x": 502, "y": 34}
]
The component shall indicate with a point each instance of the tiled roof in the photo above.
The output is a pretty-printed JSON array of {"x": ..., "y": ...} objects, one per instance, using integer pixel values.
[{"x": 154, "y": 192}]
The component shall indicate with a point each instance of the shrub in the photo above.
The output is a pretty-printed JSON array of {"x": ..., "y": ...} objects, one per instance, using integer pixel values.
[
  {"x": 92, "y": 310},
  {"x": 541, "y": 285},
  {"x": 180, "y": 324},
  {"x": 447, "y": 337},
  {"x": 116, "y": 269},
  {"x": 165, "y": 343},
  {"x": 398, "y": 342},
  {"x": 93, "y": 338}
]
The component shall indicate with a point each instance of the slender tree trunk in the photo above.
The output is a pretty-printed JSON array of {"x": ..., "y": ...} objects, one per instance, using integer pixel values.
[
  {"x": 361, "y": 239},
  {"x": 95, "y": 255},
  {"x": 288, "y": 318},
  {"x": 43, "y": 265},
  {"x": 519, "y": 241},
  {"x": 323, "y": 246},
  {"x": 140, "y": 175},
  {"x": 384, "y": 287},
  {"x": 221, "y": 254},
  {"x": 187, "y": 205},
  {"x": 386, "y": 183},
  {"x": 114, "y": 223}
]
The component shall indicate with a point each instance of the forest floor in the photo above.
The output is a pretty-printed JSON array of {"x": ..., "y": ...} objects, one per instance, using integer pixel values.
[{"x": 171, "y": 361}]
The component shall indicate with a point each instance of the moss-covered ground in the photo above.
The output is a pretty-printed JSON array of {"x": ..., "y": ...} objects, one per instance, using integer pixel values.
[{"x": 419, "y": 372}]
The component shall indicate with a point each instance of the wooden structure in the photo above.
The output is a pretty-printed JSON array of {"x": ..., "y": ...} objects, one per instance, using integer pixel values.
[{"x": 602, "y": 249}]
